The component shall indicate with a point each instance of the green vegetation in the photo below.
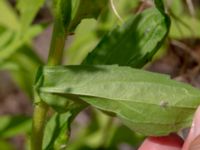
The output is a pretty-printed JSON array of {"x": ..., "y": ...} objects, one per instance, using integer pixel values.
[{"x": 101, "y": 69}]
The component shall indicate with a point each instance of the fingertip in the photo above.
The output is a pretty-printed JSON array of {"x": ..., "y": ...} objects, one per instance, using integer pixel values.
[
  {"x": 170, "y": 142},
  {"x": 194, "y": 132},
  {"x": 195, "y": 144}
]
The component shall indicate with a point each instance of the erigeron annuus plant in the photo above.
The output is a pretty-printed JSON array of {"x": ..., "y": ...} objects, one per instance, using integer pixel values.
[{"x": 108, "y": 78}]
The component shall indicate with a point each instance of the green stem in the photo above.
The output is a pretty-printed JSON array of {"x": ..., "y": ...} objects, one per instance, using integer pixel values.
[
  {"x": 57, "y": 46},
  {"x": 39, "y": 119},
  {"x": 41, "y": 108}
]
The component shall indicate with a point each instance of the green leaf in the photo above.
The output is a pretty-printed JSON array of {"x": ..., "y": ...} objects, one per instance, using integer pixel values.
[
  {"x": 122, "y": 134},
  {"x": 159, "y": 4},
  {"x": 134, "y": 43},
  {"x": 86, "y": 9},
  {"x": 17, "y": 64},
  {"x": 13, "y": 38},
  {"x": 57, "y": 130},
  {"x": 28, "y": 10},
  {"x": 13, "y": 125},
  {"x": 186, "y": 28},
  {"x": 5, "y": 38},
  {"x": 83, "y": 41},
  {"x": 8, "y": 17},
  {"x": 56, "y": 127},
  {"x": 148, "y": 103},
  {"x": 15, "y": 41}
]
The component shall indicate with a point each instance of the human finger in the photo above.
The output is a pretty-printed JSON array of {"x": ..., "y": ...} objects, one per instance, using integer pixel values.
[
  {"x": 170, "y": 142},
  {"x": 193, "y": 140}
]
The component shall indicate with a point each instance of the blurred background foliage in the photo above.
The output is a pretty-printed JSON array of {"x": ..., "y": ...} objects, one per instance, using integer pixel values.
[{"x": 25, "y": 31}]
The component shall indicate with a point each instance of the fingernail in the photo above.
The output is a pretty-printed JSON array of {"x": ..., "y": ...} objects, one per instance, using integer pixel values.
[{"x": 195, "y": 131}]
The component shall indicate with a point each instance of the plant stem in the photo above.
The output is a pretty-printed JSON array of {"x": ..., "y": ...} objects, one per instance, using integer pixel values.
[
  {"x": 57, "y": 46},
  {"x": 41, "y": 108},
  {"x": 39, "y": 119}
]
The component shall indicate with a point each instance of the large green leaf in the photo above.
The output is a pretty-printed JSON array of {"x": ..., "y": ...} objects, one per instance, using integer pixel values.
[
  {"x": 149, "y": 103},
  {"x": 134, "y": 43}
]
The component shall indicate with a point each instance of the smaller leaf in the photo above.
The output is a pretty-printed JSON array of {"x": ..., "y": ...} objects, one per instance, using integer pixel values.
[
  {"x": 56, "y": 127},
  {"x": 123, "y": 134},
  {"x": 8, "y": 18},
  {"x": 5, "y": 39},
  {"x": 57, "y": 130},
  {"x": 28, "y": 10},
  {"x": 83, "y": 41},
  {"x": 159, "y": 4},
  {"x": 14, "y": 125},
  {"x": 86, "y": 9},
  {"x": 134, "y": 43},
  {"x": 16, "y": 42},
  {"x": 17, "y": 64}
]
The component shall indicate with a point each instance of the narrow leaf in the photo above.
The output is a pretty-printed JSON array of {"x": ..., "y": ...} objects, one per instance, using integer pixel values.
[
  {"x": 57, "y": 130},
  {"x": 17, "y": 64},
  {"x": 28, "y": 10},
  {"x": 149, "y": 103},
  {"x": 15, "y": 42},
  {"x": 13, "y": 125},
  {"x": 56, "y": 126},
  {"x": 86, "y": 9},
  {"x": 8, "y": 18}
]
